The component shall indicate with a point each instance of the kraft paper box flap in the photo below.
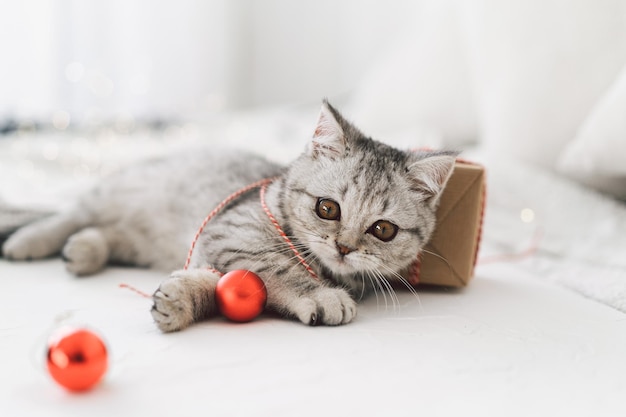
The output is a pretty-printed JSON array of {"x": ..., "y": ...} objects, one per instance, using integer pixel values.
[{"x": 454, "y": 244}]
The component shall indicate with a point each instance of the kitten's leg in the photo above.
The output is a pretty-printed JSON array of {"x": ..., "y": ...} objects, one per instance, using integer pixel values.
[
  {"x": 89, "y": 250},
  {"x": 311, "y": 303},
  {"x": 187, "y": 296},
  {"x": 86, "y": 252},
  {"x": 42, "y": 238}
]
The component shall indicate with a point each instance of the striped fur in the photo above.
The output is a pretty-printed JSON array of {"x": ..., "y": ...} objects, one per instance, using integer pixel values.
[{"x": 148, "y": 215}]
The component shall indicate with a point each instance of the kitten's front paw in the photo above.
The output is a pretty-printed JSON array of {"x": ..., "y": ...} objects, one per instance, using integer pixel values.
[
  {"x": 329, "y": 306},
  {"x": 184, "y": 298},
  {"x": 173, "y": 308}
]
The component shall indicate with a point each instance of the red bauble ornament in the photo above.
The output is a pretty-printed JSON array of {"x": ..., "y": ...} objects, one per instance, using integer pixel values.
[
  {"x": 240, "y": 295},
  {"x": 77, "y": 358}
]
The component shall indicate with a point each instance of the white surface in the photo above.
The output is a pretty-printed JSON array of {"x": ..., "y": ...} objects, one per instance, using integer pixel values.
[
  {"x": 507, "y": 345},
  {"x": 512, "y": 343},
  {"x": 582, "y": 233}
]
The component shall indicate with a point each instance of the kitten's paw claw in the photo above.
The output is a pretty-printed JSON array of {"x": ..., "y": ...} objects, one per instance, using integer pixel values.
[
  {"x": 329, "y": 306},
  {"x": 172, "y": 309}
]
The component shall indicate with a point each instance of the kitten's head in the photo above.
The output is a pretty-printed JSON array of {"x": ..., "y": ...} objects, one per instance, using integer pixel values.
[{"x": 360, "y": 205}]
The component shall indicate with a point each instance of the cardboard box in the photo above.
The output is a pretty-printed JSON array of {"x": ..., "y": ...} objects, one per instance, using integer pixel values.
[{"x": 451, "y": 254}]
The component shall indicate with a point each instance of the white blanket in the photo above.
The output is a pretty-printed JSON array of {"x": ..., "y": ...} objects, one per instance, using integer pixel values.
[{"x": 581, "y": 233}]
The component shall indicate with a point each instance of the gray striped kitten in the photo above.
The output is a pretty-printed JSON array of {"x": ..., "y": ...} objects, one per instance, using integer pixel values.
[{"x": 357, "y": 210}]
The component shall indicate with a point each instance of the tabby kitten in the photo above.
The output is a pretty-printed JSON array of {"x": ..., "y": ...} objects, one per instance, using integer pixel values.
[{"x": 357, "y": 210}]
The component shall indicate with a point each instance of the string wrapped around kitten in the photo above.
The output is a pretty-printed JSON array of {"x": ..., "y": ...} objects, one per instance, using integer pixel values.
[{"x": 357, "y": 210}]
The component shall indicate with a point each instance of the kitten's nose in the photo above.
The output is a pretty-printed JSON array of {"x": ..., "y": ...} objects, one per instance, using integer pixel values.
[{"x": 343, "y": 249}]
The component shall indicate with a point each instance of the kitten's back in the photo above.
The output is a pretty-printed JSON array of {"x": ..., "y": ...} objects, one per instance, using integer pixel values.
[{"x": 144, "y": 215}]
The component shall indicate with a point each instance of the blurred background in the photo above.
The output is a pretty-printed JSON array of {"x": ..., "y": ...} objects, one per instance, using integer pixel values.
[
  {"x": 118, "y": 61},
  {"x": 90, "y": 85}
]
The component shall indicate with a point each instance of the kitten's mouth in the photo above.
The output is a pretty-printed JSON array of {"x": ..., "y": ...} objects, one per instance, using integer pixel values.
[
  {"x": 343, "y": 265},
  {"x": 333, "y": 261}
]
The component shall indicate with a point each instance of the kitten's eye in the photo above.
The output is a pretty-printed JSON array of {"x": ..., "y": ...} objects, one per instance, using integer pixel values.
[
  {"x": 328, "y": 209},
  {"x": 383, "y": 230}
]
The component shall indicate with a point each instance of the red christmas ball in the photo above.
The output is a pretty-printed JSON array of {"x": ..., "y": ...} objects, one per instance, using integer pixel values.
[
  {"x": 240, "y": 295},
  {"x": 77, "y": 358}
]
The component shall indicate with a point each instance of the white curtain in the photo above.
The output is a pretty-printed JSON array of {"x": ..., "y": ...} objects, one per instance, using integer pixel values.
[
  {"x": 105, "y": 60},
  {"x": 91, "y": 62}
]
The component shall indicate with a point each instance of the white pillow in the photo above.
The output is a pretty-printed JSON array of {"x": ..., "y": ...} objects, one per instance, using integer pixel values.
[
  {"x": 597, "y": 156},
  {"x": 539, "y": 67},
  {"x": 422, "y": 83}
]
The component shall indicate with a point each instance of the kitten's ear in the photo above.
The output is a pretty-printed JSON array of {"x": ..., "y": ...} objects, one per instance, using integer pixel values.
[
  {"x": 329, "y": 138},
  {"x": 429, "y": 173}
]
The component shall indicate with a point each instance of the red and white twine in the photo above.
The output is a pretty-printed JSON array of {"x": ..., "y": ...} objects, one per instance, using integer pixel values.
[
  {"x": 263, "y": 185},
  {"x": 284, "y": 235}
]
